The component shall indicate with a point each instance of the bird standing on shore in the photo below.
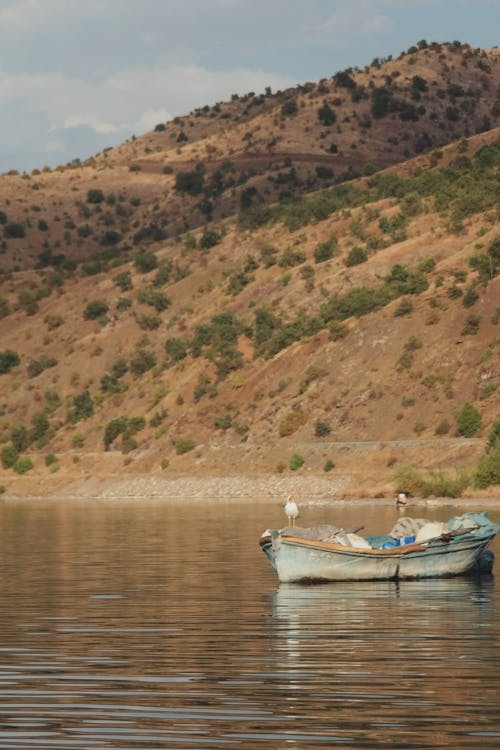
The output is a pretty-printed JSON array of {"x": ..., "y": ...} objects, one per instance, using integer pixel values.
[
  {"x": 291, "y": 510},
  {"x": 401, "y": 499}
]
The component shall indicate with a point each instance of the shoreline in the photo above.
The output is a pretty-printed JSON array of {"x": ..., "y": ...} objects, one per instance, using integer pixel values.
[{"x": 307, "y": 490}]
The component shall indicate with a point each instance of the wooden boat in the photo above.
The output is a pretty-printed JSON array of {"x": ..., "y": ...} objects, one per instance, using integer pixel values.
[{"x": 298, "y": 557}]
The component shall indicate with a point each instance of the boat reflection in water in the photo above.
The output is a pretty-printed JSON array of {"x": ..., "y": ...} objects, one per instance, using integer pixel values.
[{"x": 385, "y": 661}]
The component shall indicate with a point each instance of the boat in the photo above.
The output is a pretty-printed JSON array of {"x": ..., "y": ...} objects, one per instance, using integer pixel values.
[{"x": 415, "y": 548}]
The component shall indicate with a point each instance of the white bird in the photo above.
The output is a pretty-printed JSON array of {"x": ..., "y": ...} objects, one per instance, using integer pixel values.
[
  {"x": 291, "y": 510},
  {"x": 401, "y": 499}
]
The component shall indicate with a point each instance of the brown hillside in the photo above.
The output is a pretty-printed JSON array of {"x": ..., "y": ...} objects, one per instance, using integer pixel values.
[
  {"x": 348, "y": 327},
  {"x": 253, "y": 149}
]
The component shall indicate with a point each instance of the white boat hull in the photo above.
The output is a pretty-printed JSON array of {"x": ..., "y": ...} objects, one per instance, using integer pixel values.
[{"x": 303, "y": 560}]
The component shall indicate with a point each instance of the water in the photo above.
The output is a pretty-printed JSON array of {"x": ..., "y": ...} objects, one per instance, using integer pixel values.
[{"x": 161, "y": 625}]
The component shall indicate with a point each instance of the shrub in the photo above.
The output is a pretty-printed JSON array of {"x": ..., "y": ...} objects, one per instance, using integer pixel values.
[
  {"x": 4, "y": 307},
  {"x": 95, "y": 309},
  {"x": 8, "y": 360},
  {"x": 123, "y": 281},
  {"x": 494, "y": 436},
  {"x": 37, "y": 366},
  {"x": 470, "y": 297},
  {"x": 191, "y": 182},
  {"x": 337, "y": 330},
  {"x": 488, "y": 470},
  {"x": 176, "y": 348},
  {"x": 210, "y": 238},
  {"x": 326, "y": 115},
  {"x": 142, "y": 360},
  {"x": 9, "y": 456},
  {"x": 50, "y": 459},
  {"x": 95, "y": 196},
  {"x": 184, "y": 445},
  {"x": 324, "y": 173},
  {"x": 154, "y": 297},
  {"x": 404, "y": 308},
  {"x": 296, "y": 461},
  {"x": 322, "y": 429},
  {"x": 78, "y": 441},
  {"x": 223, "y": 421},
  {"x": 291, "y": 422},
  {"x": 355, "y": 256},
  {"x": 22, "y": 465},
  {"x": 326, "y": 250},
  {"x": 125, "y": 426},
  {"x": 329, "y": 465},
  {"x": 468, "y": 420},
  {"x": 442, "y": 428},
  {"x": 14, "y": 230},
  {"x": 145, "y": 262},
  {"x": 290, "y": 258},
  {"x": 83, "y": 407},
  {"x": 289, "y": 108},
  {"x": 471, "y": 325},
  {"x": 436, "y": 483}
]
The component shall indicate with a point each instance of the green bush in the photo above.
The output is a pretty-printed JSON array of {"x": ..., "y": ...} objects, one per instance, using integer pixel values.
[
  {"x": 95, "y": 196},
  {"x": 326, "y": 115},
  {"x": 154, "y": 297},
  {"x": 95, "y": 309},
  {"x": 488, "y": 470},
  {"x": 326, "y": 250},
  {"x": 4, "y": 307},
  {"x": 37, "y": 366},
  {"x": 329, "y": 465},
  {"x": 14, "y": 230},
  {"x": 9, "y": 456},
  {"x": 176, "y": 348},
  {"x": 355, "y": 256},
  {"x": 83, "y": 407},
  {"x": 145, "y": 262},
  {"x": 405, "y": 307},
  {"x": 296, "y": 461},
  {"x": 223, "y": 421},
  {"x": 191, "y": 182},
  {"x": 22, "y": 465},
  {"x": 469, "y": 420},
  {"x": 78, "y": 441},
  {"x": 50, "y": 459},
  {"x": 142, "y": 360},
  {"x": 289, "y": 108},
  {"x": 322, "y": 429},
  {"x": 184, "y": 445},
  {"x": 470, "y": 297},
  {"x": 127, "y": 427},
  {"x": 123, "y": 281},
  {"x": 210, "y": 238},
  {"x": 291, "y": 257},
  {"x": 8, "y": 360}
]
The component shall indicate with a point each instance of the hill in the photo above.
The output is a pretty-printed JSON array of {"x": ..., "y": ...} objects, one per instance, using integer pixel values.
[{"x": 346, "y": 331}]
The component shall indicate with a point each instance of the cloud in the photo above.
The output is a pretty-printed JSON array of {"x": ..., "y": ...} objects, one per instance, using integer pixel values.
[
  {"x": 131, "y": 101},
  {"x": 353, "y": 20}
]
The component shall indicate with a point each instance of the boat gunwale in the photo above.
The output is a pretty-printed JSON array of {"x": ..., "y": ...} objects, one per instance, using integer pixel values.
[{"x": 406, "y": 549}]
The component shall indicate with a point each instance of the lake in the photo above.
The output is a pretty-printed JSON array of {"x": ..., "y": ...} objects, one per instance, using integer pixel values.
[{"x": 160, "y": 624}]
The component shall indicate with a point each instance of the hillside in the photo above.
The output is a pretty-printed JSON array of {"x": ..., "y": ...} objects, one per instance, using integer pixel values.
[
  {"x": 347, "y": 326},
  {"x": 249, "y": 152}
]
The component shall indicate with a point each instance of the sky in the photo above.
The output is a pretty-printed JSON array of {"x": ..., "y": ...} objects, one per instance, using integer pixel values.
[{"x": 77, "y": 76}]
